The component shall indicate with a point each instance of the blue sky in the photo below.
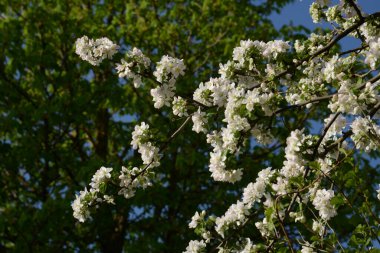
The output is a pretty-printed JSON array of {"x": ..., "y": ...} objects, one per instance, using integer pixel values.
[{"x": 298, "y": 13}]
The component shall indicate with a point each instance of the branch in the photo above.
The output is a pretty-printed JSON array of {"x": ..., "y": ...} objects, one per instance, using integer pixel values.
[
  {"x": 290, "y": 243},
  {"x": 344, "y": 34},
  {"x": 349, "y": 133},
  {"x": 305, "y": 103},
  {"x": 330, "y": 44},
  {"x": 352, "y": 3},
  {"x": 353, "y": 50}
]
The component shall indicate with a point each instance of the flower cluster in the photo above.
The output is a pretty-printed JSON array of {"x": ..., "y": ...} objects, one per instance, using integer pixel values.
[
  {"x": 136, "y": 64},
  {"x": 80, "y": 205},
  {"x": 167, "y": 71},
  {"x": 294, "y": 165},
  {"x": 322, "y": 202},
  {"x": 365, "y": 134},
  {"x": 86, "y": 199},
  {"x": 95, "y": 51},
  {"x": 195, "y": 246},
  {"x": 196, "y": 218},
  {"x": 307, "y": 249},
  {"x": 179, "y": 107},
  {"x": 242, "y": 55},
  {"x": 130, "y": 179},
  {"x": 213, "y": 92},
  {"x": 218, "y": 161},
  {"x": 254, "y": 57},
  {"x": 336, "y": 127},
  {"x": 340, "y": 13},
  {"x": 141, "y": 140},
  {"x": 238, "y": 213},
  {"x": 235, "y": 215},
  {"x": 199, "y": 121},
  {"x": 101, "y": 176},
  {"x": 255, "y": 191},
  {"x": 318, "y": 227}
]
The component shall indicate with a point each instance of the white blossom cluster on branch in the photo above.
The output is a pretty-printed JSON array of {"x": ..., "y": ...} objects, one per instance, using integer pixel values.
[
  {"x": 262, "y": 82},
  {"x": 167, "y": 72},
  {"x": 95, "y": 51},
  {"x": 85, "y": 199},
  {"x": 135, "y": 64}
]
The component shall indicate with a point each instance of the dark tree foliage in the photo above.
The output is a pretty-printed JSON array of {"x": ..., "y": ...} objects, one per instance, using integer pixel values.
[{"x": 58, "y": 125}]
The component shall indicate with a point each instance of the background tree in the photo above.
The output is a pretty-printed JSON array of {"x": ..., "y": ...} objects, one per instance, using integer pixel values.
[{"x": 62, "y": 119}]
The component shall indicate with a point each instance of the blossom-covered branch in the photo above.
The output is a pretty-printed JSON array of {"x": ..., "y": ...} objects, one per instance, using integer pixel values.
[{"x": 245, "y": 106}]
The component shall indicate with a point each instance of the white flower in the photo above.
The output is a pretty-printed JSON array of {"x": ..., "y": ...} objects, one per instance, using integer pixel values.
[
  {"x": 281, "y": 185},
  {"x": 207, "y": 236},
  {"x": 213, "y": 92},
  {"x": 325, "y": 164},
  {"x": 196, "y": 218},
  {"x": 138, "y": 56},
  {"x": 299, "y": 47},
  {"x": 80, "y": 205},
  {"x": 364, "y": 134},
  {"x": 249, "y": 247},
  {"x": 218, "y": 171},
  {"x": 330, "y": 68},
  {"x": 130, "y": 179},
  {"x": 226, "y": 70},
  {"x": 315, "y": 12},
  {"x": 298, "y": 216},
  {"x": 168, "y": 69},
  {"x": 322, "y": 202},
  {"x": 215, "y": 139},
  {"x": 96, "y": 51},
  {"x": 140, "y": 140},
  {"x": 242, "y": 54},
  {"x": 140, "y": 135},
  {"x": 337, "y": 126},
  {"x": 199, "y": 121},
  {"x": 345, "y": 100},
  {"x": 274, "y": 48},
  {"x": 251, "y": 99},
  {"x": 263, "y": 227},
  {"x": 307, "y": 248},
  {"x": 100, "y": 176},
  {"x": 229, "y": 139},
  {"x": 179, "y": 107},
  {"x": 236, "y": 215},
  {"x": 294, "y": 164},
  {"x": 195, "y": 246},
  {"x": 135, "y": 60},
  {"x": 261, "y": 135},
  {"x": 369, "y": 95},
  {"x": 254, "y": 191},
  {"x": 150, "y": 154},
  {"x": 202, "y": 94},
  {"x": 162, "y": 95},
  {"x": 123, "y": 69},
  {"x": 219, "y": 88},
  {"x": 109, "y": 199},
  {"x": 318, "y": 227}
]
